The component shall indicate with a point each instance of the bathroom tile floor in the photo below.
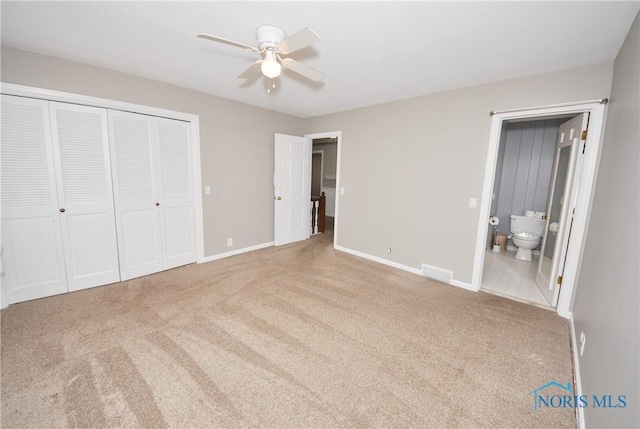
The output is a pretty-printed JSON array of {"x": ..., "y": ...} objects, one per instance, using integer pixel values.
[{"x": 507, "y": 276}]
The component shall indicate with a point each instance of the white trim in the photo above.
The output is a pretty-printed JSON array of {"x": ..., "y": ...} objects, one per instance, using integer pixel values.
[
  {"x": 379, "y": 260},
  {"x": 412, "y": 270},
  {"x": 337, "y": 134},
  {"x": 443, "y": 276},
  {"x": 66, "y": 97},
  {"x": 583, "y": 204},
  {"x": 197, "y": 188},
  {"x": 576, "y": 371},
  {"x": 463, "y": 285},
  {"x": 547, "y": 106},
  {"x": 235, "y": 252},
  {"x": 584, "y": 198},
  {"x": 436, "y": 273},
  {"x": 4, "y": 302}
]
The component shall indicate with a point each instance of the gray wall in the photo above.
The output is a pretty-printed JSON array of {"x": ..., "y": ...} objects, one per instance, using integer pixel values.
[
  {"x": 527, "y": 155},
  {"x": 606, "y": 305},
  {"x": 236, "y": 140},
  {"x": 410, "y": 167}
]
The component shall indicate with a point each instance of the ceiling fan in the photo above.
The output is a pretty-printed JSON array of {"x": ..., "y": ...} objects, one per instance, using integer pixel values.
[{"x": 274, "y": 46}]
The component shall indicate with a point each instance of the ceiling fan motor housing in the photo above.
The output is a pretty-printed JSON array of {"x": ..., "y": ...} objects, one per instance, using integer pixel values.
[{"x": 269, "y": 36}]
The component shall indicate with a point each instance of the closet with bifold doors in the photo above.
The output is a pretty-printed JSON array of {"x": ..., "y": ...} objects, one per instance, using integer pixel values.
[
  {"x": 90, "y": 196},
  {"x": 152, "y": 190}
]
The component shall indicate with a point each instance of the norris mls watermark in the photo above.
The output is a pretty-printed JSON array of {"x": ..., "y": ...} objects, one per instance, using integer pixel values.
[{"x": 542, "y": 399}]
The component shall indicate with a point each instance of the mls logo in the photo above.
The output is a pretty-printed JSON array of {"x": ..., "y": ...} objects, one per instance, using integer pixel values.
[{"x": 567, "y": 399}]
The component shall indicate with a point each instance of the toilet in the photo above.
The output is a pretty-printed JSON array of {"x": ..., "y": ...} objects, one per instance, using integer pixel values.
[{"x": 526, "y": 234}]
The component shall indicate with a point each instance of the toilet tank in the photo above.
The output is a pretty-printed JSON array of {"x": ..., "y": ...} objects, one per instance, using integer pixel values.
[{"x": 527, "y": 224}]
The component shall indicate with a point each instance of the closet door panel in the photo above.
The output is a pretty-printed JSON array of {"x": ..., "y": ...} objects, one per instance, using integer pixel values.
[
  {"x": 178, "y": 238},
  {"x": 135, "y": 194},
  {"x": 140, "y": 242},
  {"x": 32, "y": 254},
  {"x": 176, "y": 199},
  {"x": 81, "y": 147}
]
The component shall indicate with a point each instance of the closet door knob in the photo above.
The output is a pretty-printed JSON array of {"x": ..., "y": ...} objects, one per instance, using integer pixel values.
[
  {"x": 62, "y": 210},
  {"x": 157, "y": 204}
]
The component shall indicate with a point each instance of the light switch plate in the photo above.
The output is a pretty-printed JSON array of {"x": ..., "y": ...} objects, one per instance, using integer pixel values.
[{"x": 473, "y": 202}]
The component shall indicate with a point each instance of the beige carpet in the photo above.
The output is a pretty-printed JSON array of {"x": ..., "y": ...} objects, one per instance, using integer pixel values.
[{"x": 296, "y": 336}]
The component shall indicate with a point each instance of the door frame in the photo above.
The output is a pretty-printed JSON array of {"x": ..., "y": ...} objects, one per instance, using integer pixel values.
[
  {"x": 584, "y": 197},
  {"x": 565, "y": 221},
  {"x": 338, "y": 135}
]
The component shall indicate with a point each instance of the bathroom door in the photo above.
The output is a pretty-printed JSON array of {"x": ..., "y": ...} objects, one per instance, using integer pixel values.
[{"x": 560, "y": 208}]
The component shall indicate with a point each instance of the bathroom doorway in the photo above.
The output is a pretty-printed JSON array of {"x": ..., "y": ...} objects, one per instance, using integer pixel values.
[
  {"x": 523, "y": 175},
  {"x": 520, "y": 179}
]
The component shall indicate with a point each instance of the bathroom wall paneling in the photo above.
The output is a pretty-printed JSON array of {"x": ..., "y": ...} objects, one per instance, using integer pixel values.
[{"x": 523, "y": 177}]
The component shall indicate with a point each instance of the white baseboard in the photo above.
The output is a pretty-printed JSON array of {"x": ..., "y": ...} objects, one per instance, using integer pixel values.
[
  {"x": 378, "y": 260},
  {"x": 463, "y": 285},
  {"x": 3, "y": 303},
  {"x": 439, "y": 274},
  {"x": 576, "y": 369},
  {"x": 444, "y": 276},
  {"x": 235, "y": 252}
]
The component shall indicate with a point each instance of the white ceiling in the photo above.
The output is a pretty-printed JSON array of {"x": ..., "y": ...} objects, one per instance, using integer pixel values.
[{"x": 371, "y": 52}]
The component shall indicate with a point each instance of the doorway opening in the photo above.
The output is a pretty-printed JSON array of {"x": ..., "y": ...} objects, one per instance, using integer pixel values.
[
  {"x": 530, "y": 168},
  {"x": 324, "y": 177},
  {"x": 533, "y": 181}
]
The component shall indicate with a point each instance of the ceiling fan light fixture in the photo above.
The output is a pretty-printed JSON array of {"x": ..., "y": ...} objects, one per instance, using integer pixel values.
[
  {"x": 273, "y": 45},
  {"x": 270, "y": 67}
]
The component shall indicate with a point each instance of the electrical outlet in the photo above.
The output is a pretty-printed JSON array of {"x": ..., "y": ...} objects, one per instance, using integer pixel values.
[
  {"x": 388, "y": 249},
  {"x": 229, "y": 242},
  {"x": 583, "y": 341}
]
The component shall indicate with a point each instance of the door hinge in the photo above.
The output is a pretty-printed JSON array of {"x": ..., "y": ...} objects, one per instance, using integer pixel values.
[
  {"x": 583, "y": 136},
  {"x": 584, "y": 147},
  {"x": 559, "y": 280}
]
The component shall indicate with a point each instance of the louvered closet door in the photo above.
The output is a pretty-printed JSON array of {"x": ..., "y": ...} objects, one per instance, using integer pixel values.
[
  {"x": 32, "y": 254},
  {"x": 85, "y": 195},
  {"x": 135, "y": 194},
  {"x": 176, "y": 202}
]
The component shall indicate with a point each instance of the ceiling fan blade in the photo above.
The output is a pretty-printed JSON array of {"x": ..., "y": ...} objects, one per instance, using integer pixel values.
[
  {"x": 301, "y": 69},
  {"x": 251, "y": 71},
  {"x": 301, "y": 39},
  {"x": 227, "y": 42}
]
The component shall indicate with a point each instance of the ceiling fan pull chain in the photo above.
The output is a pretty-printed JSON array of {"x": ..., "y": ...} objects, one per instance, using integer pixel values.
[{"x": 271, "y": 84}]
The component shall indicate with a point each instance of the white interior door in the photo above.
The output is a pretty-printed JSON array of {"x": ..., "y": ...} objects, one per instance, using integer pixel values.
[
  {"x": 85, "y": 196},
  {"x": 176, "y": 199},
  {"x": 292, "y": 182},
  {"x": 32, "y": 254},
  {"x": 135, "y": 194},
  {"x": 560, "y": 208}
]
